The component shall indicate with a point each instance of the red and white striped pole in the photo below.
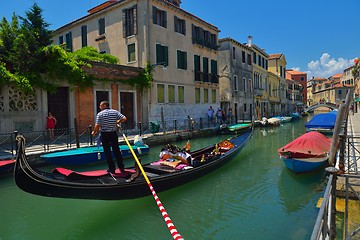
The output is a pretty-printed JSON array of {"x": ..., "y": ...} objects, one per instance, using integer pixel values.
[{"x": 175, "y": 234}]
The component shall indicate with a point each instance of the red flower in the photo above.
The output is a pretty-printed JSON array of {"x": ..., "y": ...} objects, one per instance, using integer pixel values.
[{"x": 356, "y": 61}]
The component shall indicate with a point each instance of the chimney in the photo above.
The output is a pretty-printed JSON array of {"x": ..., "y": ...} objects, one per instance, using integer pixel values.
[{"x": 249, "y": 41}]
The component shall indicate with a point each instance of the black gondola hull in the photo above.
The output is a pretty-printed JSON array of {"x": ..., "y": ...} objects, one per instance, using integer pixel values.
[{"x": 107, "y": 188}]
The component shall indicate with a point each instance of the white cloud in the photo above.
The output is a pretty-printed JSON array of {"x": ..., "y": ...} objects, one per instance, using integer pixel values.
[{"x": 327, "y": 66}]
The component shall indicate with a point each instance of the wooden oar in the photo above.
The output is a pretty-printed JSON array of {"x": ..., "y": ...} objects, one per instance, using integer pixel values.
[{"x": 175, "y": 234}]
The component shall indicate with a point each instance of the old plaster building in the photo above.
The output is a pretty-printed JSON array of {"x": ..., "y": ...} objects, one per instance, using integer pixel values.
[
  {"x": 181, "y": 48},
  {"x": 277, "y": 84},
  {"x": 260, "y": 79},
  {"x": 235, "y": 71},
  {"x": 301, "y": 78}
]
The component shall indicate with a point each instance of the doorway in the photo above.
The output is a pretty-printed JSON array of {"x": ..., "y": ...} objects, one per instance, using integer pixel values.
[
  {"x": 58, "y": 105},
  {"x": 127, "y": 107}
]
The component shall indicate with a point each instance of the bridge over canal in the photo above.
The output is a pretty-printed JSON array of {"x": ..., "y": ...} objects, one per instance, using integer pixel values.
[{"x": 330, "y": 105}]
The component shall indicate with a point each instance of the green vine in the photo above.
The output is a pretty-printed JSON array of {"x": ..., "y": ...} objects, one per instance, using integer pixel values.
[{"x": 144, "y": 81}]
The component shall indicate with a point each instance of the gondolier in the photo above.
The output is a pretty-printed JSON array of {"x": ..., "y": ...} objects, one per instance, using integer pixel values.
[{"x": 106, "y": 122}]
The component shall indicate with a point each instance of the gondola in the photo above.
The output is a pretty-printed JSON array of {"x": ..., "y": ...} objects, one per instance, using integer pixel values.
[
  {"x": 88, "y": 155},
  {"x": 63, "y": 183},
  {"x": 6, "y": 165}
]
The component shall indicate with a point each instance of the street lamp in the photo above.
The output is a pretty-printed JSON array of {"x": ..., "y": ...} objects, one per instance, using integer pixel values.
[{"x": 158, "y": 64}]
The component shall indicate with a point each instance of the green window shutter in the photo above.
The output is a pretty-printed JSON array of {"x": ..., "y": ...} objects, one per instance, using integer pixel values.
[
  {"x": 135, "y": 19},
  {"x": 197, "y": 95},
  {"x": 178, "y": 57},
  {"x": 176, "y": 24},
  {"x": 165, "y": 19},
  {"x": 181, "y": 94},
  {"x": 154, "y": 14},
  {"x": 161, "y": 93},
  {"x": 166, "y": 55},
  {"x": 185, "y": 60}
]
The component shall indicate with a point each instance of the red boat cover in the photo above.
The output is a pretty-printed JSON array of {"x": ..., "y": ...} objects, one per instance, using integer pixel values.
[
  {"x": 96, "y": 173},
  {"x": 311, "y": 144},
  {"x": 6, "y": 162}
]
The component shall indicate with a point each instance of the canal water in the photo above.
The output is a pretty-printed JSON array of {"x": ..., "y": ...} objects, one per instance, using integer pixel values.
[{"x": 252, "y": 197}]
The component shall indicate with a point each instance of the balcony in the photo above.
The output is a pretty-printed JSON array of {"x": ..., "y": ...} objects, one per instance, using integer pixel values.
[{"x": 258, "y": 91}]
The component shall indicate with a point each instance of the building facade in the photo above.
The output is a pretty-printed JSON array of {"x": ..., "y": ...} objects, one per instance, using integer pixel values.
[
  {"x": 181, "y": 48},
  {"x": 235, "y": 78},
  {"x": 277, "y": 66},
  {"x": 260, "y": 79}
]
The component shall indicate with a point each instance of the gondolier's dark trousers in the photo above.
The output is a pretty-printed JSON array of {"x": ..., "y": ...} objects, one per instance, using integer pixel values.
[{"x": 110, "y": 139}]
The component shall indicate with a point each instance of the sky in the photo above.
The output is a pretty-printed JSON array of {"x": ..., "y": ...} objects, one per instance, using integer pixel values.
[{"x": 318, "y": 37}]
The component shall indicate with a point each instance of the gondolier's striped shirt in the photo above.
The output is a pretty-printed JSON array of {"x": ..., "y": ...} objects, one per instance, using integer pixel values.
[{"x": 107, "y": 119}]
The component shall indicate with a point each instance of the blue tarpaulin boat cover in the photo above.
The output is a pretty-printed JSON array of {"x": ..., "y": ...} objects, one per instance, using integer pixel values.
[{"x": 322, "y": 120}]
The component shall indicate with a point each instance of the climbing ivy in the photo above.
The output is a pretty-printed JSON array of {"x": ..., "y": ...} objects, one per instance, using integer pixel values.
[{"x": 29, "y": 61}]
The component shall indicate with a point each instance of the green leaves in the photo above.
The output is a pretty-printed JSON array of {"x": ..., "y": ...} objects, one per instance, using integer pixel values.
[{"x": 29, "y": 61}]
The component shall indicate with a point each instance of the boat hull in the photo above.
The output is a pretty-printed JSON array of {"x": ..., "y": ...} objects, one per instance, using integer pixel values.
[
  {"x": 7, "y": 166},
  {"x": 302, "y": 165},
  {"x": 108, "y": 188},
  {"x": 88, "y": 155}
]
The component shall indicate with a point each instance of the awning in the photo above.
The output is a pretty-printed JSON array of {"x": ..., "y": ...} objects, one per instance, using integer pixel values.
[{"x": 357, "y": 99}]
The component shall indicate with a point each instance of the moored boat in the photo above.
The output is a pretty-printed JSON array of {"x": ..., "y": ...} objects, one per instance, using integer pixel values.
[
  {"x": 295, "y": 115},
  {"x": 88, "y": 155},
  {"x": 306, "y": 153},
  {"x": 65, "y": 183},
  {"x": 235, "y": 128},
  {"x": 7, "y": 165},
  {"x": 323, "y": 122},
  {"x": 284, "y": 119}
]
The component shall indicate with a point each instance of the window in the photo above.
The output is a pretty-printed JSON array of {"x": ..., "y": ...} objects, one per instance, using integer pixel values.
[
  {"x": 244, "y": 107},
  {"x": 206, "y": 69},
  {"x": 235, "y": 84},
  {"x": 213, "y": 95},
  {"x": 214, "y": 76},
  {"x": 61, "y": 40},
  {"x": 281, "y": 71},
  {"x": 101, "y": 23},
  {"x": 181, "y": 60},
  {"x": 161, "y": 93},
  {"x": 197, "y": 95},
  {"x": 250, "y": 86},
  {"x": 244, "y": 84},
  {"x": 68, "y": 41},
  {"x": 249, "y": 59},
  {"x": 243, "y": 56},
  {"x": 233, "y": 53},
  {"x": 254, "y": 57},
  {"x": 129, "y": 21},
  {"x": 180, "y": 25},
  {"x": 181, "y": 94},
  {"x": 302, "y": 79},
  {"x": 131, "y": 51},
  {"x": 162, "y": 54},
  {"x": 197, "y": 67},
  {"x": 171, "y": 93},
  {"x": 206, "y": 95},
  {"x": 203, "y": 37},
  {"x": 83, "y": 36},
  {"x": 159, "y": 17}
]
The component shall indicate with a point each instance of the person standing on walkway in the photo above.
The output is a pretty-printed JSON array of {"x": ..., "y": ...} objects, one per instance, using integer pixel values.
[
  {"x": 50, "y": 125},
  {"x": 106, "y": 123},
  {"x": 210, "y": 114}
]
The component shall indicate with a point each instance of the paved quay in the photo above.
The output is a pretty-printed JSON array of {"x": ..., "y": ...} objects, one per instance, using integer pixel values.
[{"x": 352, "y": 154}]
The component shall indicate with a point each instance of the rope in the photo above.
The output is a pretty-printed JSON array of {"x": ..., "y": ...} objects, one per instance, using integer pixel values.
[{"x": 175, "y": 234}]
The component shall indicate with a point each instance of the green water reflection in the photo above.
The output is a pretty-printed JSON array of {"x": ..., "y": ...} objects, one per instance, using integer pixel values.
[{"x": 252, "y": 197}]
